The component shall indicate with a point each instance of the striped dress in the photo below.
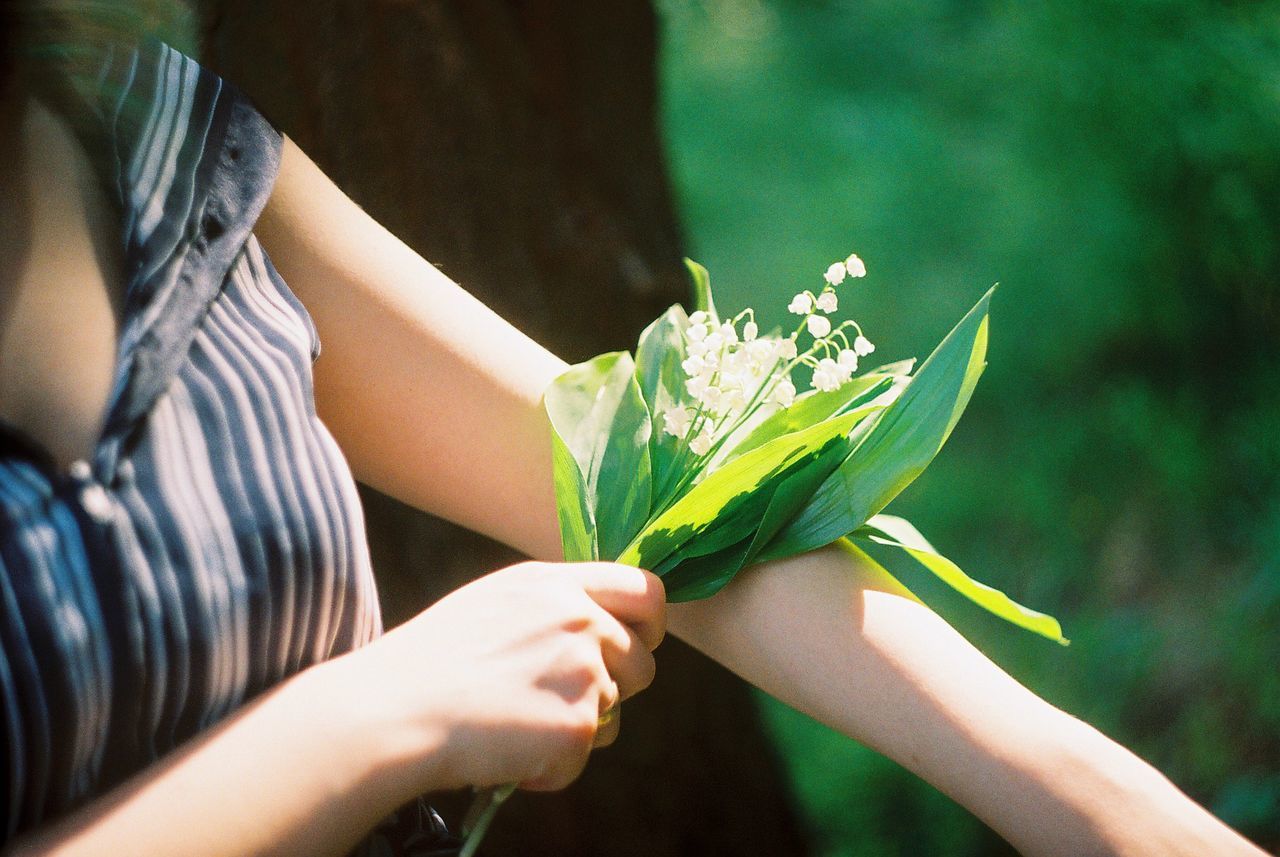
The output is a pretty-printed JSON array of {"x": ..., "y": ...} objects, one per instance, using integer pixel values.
[{"x": 213, "y": 544}]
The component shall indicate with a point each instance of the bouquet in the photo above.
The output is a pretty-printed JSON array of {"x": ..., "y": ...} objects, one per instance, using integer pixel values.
[{"x": 699, "y": 456}]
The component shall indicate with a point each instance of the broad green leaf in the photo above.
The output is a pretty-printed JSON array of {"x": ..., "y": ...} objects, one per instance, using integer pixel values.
[
  {"x": 726, "y": 488},
  {"x": 702, "y": 289},
  {"x": 766, "y": 510},
  {"x": 704, "y": 576},
  {"x": 601, "y": 420},
  {"x": 905, "y": 438},
  {"x": 899, "y": 533},
  {"x": 815, "y": 406},
  {"x": 695, "y": 572},
  {"x": 577, "y": 524},
  {"x": 792, "y": 495},
  {"x": 661, "y": 382}
]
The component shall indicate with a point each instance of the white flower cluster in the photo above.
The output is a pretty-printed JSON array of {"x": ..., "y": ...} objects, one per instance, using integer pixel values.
[
  {"x": 729, "y": 376},
  {"x": 724, "y": 374}
]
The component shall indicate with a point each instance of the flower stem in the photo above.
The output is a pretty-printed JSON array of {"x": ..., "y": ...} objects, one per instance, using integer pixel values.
[{"x": 484, "y": 806}]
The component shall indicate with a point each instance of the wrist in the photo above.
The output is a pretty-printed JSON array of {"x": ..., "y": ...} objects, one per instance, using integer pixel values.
[
  {"x": 1131, "y": 808},
  {"x": 378, "y": 747}
]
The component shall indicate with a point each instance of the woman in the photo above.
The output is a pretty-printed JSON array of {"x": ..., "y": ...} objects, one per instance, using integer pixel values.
[{"x": 186, "y": 584}]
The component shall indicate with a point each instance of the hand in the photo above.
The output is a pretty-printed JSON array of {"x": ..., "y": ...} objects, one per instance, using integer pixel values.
[{"x": 506, "y": 679}]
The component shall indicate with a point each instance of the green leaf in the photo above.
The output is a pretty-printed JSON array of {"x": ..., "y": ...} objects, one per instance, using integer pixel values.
[
  {"x": 727, "y": 488},
  {"x": 577, "y": 523},
  {"x": 900, "y": 446},
  {"x": 702, "y": 289},
  {"x": 815, "y": 406},
  {"x": 707, "y": 563},
  {"x": 704, "y": 576},
  {"x": 792, "y": 495},
  {"x": 601, "y": 428},
  {"x": 661, "y": 382},
  {"x": 899, "y": 533},
  {"x": 765, "y": 511}
]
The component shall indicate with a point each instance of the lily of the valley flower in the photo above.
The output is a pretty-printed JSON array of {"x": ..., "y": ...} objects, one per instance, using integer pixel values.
[
  {"x": 862, "y": 346},
  {"x": 828, "y": 375},
  {"x": 827, "y": 302},
  {"x": 801, "y": 304},
  {"x": 819, "y": 326},
  {"x": 676, "y": 421},
  {"x": 835, "y": 274},
  {"x": 701, "y": 444},
  {"x": 855, "y": 266},
  {"x": 784, "y": 393}
]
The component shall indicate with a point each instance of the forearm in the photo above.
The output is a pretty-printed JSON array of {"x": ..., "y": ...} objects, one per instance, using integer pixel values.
[
  {"x": 837, "y": 638},
  {"x": 297, "y": 772}
]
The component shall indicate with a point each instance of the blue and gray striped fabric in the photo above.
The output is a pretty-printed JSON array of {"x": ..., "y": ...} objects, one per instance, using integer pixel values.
[{"x": 213, "y": 544}]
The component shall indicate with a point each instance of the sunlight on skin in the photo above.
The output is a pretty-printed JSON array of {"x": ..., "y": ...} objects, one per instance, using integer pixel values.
[
  {"x": 438, "y": 401},
  {"x": 848, "y": 646}
]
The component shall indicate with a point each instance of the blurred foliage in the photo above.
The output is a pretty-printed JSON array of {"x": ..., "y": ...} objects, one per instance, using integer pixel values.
[{"x": 1114, "y": 165}]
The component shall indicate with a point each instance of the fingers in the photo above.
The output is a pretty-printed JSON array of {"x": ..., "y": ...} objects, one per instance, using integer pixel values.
[
  {"x": 626, "y": 657},
  {"x": 635, "y": 596},
  {"x": 563, "y": 767}
]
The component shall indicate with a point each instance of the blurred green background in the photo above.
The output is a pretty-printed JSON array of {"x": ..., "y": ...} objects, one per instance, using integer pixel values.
[{"x": 1115, "y": 165}]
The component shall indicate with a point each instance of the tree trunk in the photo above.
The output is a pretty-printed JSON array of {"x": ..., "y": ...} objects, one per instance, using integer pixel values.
[{"x": 515, "y": 144}]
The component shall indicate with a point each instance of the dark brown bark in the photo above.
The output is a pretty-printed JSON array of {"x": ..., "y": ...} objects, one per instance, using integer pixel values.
[{"x": 516, "y": 145}]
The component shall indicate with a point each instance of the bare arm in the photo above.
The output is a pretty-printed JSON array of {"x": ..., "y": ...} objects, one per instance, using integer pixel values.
[
  {"x": 502, "y": 681},
  {"x": 437, "y": 401},
  {"x": 854, "y": 651},
  {"x": 254, "y": 785}
]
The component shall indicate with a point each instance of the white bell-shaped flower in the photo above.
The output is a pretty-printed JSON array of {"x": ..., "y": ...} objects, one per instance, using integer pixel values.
[
  {"x": 847, "y": 360},
  {"x": 698, "y": 317},
  {"x": 784, "y": 394},
  {"x": 711, "y": 396},
  {"x": 863, "y": 346},
  {"x": 819, "y": 326},
  {"x": 702, "y": 443},
  {"x": 835, "y": 273},
  {"x": 827, "y": 376},
  {"x": 760, "y": 352},
  {"x": 827, "y": 302},
  {"x": 733, "y": 400},
  {"x": 854, "y": 266},
  {"x": 676, "y": 421},
  {"x": 801, "y": 304},
  {"x": 787, "y": 349},
  {"x": 750, "y": 331}
]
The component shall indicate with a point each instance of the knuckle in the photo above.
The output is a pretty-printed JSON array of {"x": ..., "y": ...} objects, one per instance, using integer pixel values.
[
  {"x": 584, "y": 652},
  {"x": 655, "y": 589}
]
